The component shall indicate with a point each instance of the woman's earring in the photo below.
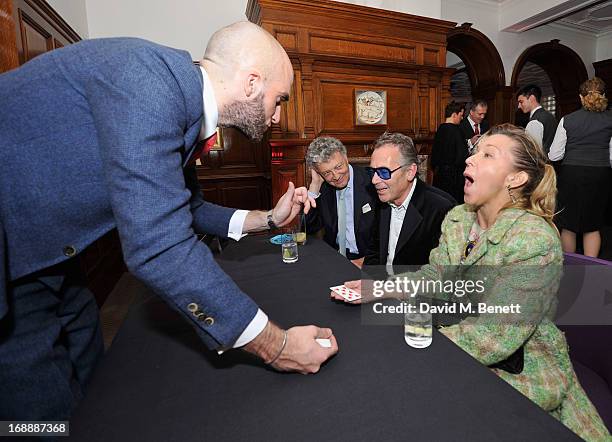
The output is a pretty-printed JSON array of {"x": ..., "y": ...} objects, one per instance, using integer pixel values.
[{"x": 512, "y": 197}]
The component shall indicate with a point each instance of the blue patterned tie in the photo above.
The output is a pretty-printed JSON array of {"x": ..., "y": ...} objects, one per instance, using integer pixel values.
[{"x": 342, "y": 223}]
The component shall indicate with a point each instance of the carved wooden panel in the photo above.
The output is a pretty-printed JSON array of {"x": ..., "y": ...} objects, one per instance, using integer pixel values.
[
  {"x": 431, "y": 56},
  {"x": 38, "y": 29},
  {"x": 283, "y": 172},
  {"x": 337, "y": 48},
  {"x": 34, "y": 37},
  {"x": 239, "y": 175},
  {"x": 242, "y": 192},
  {"x": 337, "y": 106},
  {"x": 9, "y": 58},
  {"x": 351, "y": 45}
]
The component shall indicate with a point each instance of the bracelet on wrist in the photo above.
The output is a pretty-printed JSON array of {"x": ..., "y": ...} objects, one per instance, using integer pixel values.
[{"x": 281, "y": 349}]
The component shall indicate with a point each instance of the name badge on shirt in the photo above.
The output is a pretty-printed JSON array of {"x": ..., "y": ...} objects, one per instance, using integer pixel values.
[{"x": 366, "y": 208}]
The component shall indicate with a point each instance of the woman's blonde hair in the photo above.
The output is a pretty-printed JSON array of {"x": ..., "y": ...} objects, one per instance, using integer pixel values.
[
  {"x": 592, "y": 95},
  {"x": 538, "y": 194}
]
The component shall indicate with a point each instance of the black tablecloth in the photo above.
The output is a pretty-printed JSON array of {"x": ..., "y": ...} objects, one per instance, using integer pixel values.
[{"x": 159, "y": 383}]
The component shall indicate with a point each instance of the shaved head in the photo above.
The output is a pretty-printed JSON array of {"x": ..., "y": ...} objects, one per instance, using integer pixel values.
[
  {"x": 251, "y": 76},
  {"x": 245, "y": 45}
]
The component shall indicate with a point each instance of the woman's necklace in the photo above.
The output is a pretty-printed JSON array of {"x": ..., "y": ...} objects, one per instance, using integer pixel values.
[{"x": 476, "y": 232}]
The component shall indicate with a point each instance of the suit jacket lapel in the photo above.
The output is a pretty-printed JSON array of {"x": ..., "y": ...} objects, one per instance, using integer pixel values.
[
  {"x": 358, "y": 199},
  {"x": 332, "y": 207},
  {"x": 468, "y": 127},
  {"x": 413, "y": 216},
  {"x": 411, "y": 221},
  {"x": 385, "y": 222}
]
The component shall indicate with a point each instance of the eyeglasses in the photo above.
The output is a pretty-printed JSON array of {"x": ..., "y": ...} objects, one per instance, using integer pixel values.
[
  {"x": 337, "y": 169},
  {"x": 384, "y": 173}
]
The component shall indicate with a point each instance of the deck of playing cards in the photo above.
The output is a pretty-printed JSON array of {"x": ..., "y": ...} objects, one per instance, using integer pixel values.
[{"x": 349, "y": 294}]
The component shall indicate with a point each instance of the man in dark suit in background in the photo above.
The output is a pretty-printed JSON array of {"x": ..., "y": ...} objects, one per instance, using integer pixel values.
[
  {"x": 475, "y": 125},
  {"x": 411, "y": 219},
  {"x": 346, "y": 199},
  {"x": 449, "y": 152},
  {"x": 113, "y": 125},
  {"x": 542, "y": 124}
]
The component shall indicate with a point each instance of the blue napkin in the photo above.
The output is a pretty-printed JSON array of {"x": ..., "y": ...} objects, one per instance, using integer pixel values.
[{"x": 278, "y": 239}]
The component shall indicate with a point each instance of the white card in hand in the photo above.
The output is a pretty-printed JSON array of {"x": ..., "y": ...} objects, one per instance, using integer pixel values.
[{"x": 324, "y": 342}]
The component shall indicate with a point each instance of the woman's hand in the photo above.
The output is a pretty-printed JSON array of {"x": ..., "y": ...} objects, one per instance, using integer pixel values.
[{"x": 355, "y": 285}]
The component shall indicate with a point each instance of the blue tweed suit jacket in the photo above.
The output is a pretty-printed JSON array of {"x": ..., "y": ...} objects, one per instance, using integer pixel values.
[{"x": 97, "y": 135}]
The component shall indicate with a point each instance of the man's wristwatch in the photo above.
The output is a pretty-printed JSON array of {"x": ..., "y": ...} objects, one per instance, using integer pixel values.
[{"x": 271, "y": 224}]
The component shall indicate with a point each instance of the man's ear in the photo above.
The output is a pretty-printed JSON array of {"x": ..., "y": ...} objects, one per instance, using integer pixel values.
[
  {"x": 412, "y": 171},
  {"x": 253, "y": 83}
]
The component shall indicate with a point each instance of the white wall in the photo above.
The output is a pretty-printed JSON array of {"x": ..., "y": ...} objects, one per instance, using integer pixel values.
[
  {"x": 188, "y": 24},
  {"x": 74, "y": 13},
  {"x": 184, "y": 24},
  {"x": 511, "y": 45},
  {"x": 604, "y": 47},
  {"x": 429, "y": 8}
]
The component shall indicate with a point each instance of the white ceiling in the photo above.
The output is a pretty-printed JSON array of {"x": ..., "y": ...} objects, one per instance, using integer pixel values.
[{"x": 595, "y": 19}]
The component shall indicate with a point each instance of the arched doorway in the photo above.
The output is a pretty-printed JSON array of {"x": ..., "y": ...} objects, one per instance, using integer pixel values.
[
  {"x": 563, "y": 67},
  {"x": 483, "y": 67}
]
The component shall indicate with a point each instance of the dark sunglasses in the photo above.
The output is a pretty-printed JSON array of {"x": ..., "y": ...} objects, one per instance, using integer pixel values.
[{"x": 384, "y": 173}]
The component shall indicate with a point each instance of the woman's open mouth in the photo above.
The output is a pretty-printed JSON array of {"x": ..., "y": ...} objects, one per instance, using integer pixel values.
[{"x": 469, "y": 180}]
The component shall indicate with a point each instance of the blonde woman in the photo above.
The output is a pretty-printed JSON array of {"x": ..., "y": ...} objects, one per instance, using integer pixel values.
[
  {"x": 505, "y": 230},
  {"x": 584, "y": 142}
]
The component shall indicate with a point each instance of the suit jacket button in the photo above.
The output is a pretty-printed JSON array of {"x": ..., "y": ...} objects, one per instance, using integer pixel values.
[
  {"x": 192, "y": 307},
  {"x": 208, "y": 321},
  {"x": 70, "y": 251}
]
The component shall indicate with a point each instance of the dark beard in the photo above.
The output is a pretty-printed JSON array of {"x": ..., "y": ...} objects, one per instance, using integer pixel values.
[{"x": 247, "y": 116}]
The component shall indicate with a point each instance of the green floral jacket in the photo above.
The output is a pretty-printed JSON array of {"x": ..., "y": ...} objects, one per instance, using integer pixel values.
[{"x": 520, "y": 256}]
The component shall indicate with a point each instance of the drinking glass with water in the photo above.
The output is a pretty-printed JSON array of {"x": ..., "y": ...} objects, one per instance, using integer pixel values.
[
  {"x": 289, "y": 247},
  {"x": 417, "y": 327}
]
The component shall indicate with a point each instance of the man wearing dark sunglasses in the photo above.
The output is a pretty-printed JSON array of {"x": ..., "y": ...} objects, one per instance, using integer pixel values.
[
  {"x": 410, "y": 221},
  {"x": 346, "y": 199}
]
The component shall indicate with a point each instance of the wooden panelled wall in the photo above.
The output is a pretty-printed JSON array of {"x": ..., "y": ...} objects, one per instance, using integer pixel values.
[
  {"x": 238, "y": 175},
  {"x": 29, "y": 28},
  {"x": 338, "y": 48}
]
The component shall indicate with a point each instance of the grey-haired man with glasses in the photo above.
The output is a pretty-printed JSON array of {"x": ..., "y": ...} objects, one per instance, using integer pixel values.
[
  {"x": 346, "y": 199},
  {"x": 410, "y": 221}
]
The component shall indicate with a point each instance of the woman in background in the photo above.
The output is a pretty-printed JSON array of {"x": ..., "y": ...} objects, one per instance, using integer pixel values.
[
  {"x": 505, "y": 232},
  {"x": 584, "y": 142}
]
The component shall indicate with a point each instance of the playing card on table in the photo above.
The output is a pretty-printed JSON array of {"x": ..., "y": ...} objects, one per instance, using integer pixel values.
[{"x": 347, "y": 293}]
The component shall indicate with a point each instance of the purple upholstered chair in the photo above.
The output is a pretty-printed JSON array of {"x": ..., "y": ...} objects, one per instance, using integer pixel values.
[{"x": 591, "y": 350}]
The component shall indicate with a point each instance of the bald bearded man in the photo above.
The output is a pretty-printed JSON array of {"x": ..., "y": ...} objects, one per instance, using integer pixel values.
[{"x": 100, "y": 135}]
